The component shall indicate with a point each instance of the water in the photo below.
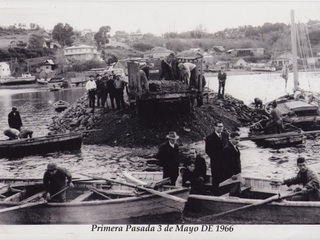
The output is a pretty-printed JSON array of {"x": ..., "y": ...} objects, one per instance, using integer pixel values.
[{"x": 35, "y": 106}]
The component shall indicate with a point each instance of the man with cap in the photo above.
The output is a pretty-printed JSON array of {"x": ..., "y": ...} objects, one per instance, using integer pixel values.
[
  {"x": 14, "y": 119},
  {"x": 309, "y": 180},
  {"x": 168, "y": 155},
  {"x": 91, "y": 87},
  {"x": 56, "y": 179}
]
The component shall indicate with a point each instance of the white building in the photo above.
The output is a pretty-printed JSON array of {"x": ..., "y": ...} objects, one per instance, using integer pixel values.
[
  {"x": 4, "y": 69},
  {"x": 82, "y": 53}
]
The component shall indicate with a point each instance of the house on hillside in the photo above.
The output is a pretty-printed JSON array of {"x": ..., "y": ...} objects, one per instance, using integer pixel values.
[
  {"x": 48, "y": 66},
  {"x": 218, "y": 50},
  {"x": 239, "y": 63},
  {"x": 157, "y": 52},
  {"x": 4, "y": 69},
  {"x": 281, "y": 60},
  {"x": 208, "y": 58},
  {"x": 82, "y": 53},
  {"x": 243, "y": 52}
]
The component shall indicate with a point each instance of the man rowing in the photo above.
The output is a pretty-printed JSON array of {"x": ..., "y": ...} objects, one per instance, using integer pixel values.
[{"x": 309, "y": 179}]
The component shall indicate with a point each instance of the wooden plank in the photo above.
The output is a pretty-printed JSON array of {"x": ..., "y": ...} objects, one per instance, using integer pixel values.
[
  {"x": 33, "y": 197},
  {"x": 82, "y": 197},
  {"x": 13, "y": 198},
  {"x": 279, "y": 135}
]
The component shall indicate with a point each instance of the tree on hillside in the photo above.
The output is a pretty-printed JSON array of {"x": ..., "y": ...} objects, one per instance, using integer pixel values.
[
  {"x": 36, "y": 41},
  {"x": 101, "y": 37},
  {"x": 63, "y": 34}
]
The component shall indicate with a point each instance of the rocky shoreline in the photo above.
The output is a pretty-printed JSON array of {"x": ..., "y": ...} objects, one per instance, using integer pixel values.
[{"x": 127, "y": 129}]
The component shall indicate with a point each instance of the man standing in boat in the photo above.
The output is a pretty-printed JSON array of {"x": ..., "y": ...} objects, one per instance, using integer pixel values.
[
  {"x": 276, "y": 120},
  {"x": 14, "y": 119},
  {"x": 56, "y": 179},
  {"x": 168, "y": 156},
  {"x": 231, "y": 164},
  {"x": 309, "y": 179},
  {"x": 214, "y": 143},
  {"x": 222, "y": 77}
]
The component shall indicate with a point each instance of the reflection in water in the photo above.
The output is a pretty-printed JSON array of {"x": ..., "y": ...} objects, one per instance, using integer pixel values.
[{"x": 35, "y": 106}]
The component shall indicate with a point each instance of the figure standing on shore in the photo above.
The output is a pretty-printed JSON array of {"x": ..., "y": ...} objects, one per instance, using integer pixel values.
[
  {"x": 91, "y": 87},
  {"x": 166, "y": 68},
  {"x": 119, "y": 86},
  {"x": 231, "y": 164},
  {"x": 111, "y": 90},
  {"x": 309, "y": 179},
  {"x": 222, "y": 77},
  {"x": 101, "y": 91},
  {"x": 168, "y": 155},
  {"x": 214, "y": 143},
  {"x": 56, "y": 179},
  {"x": 14, "y": 119}
]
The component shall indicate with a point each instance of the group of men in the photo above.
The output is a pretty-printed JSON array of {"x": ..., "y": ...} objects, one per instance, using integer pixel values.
[
  {"x": 222, "y": 149},
  {"x": 101, "y": 87}
]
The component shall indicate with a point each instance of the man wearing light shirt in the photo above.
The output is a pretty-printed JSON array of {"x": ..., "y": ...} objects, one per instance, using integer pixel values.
[
  {"x": 91, "y": 87},
  {"x": 188, "y": 73}
]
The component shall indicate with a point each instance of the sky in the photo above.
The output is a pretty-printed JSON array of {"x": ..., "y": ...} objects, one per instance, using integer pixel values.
[{"x": 155, "y": 17}]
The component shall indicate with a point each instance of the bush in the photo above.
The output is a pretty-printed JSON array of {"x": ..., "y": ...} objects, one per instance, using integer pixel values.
[
  {"x": 87, "y": 65},
  {"x": 143, "y": 47}
]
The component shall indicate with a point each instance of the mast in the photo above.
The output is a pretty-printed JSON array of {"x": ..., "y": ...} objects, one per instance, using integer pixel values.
[{"x": 294, "y": 52}]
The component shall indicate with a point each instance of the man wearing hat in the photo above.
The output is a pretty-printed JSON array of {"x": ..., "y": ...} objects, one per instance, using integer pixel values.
[
  {"x": 168, "y": 156},
  {"x": 310, "y": 190},
  {"x": 14, "y": 119},
  {"x": 56, "y": 179},
  {"x": 91, "y": 87}
]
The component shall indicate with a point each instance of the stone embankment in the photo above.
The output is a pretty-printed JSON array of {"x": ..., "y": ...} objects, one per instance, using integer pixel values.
[{"x": 126, "y": 128}]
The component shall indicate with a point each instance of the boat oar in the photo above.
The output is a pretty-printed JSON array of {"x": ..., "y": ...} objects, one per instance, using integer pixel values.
[
  {"x": 42, "y": 202},
  {"x": 266, "y": 201},
  {"x": 161, "y": 194}
]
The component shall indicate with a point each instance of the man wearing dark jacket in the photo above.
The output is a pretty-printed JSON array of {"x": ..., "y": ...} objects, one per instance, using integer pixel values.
[
  {"x": 56, "y": 179},
  {"x": 309, "y": 180},
  {"x": 168, "y": 156},
  {"x": 231, "y": 165},
  {"x": 222, "y": 77},
  {"x": 214, "y": 144},
  {"x": 14, "y": 119}
]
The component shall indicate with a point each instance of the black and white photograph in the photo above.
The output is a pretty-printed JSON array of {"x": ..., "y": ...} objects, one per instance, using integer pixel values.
[{"x": 159, "y": 119}]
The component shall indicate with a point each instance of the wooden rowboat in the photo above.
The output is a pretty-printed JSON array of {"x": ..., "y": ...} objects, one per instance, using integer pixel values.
[
  {"x": 60, "y": 105},
  {"x": 255, "y": 191},
  {"x": 39, "y": 145},
  {"x": 88, "y": 202}
]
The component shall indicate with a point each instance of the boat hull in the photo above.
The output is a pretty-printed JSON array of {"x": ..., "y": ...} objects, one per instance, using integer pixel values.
[
  {"x": 40, "y": 145},
  {"x": 274, "y": 213},
  {"x": 120, "y": 210},
  {"x": 17, "y": 80}
]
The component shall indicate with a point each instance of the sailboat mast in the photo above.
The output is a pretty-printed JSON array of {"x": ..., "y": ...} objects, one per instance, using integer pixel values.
[{"x": 294, "y": 52}]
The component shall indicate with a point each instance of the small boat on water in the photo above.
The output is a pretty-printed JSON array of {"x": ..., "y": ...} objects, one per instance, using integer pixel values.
[
  {"x": 53, "y": 80},
  {"x": 269, "y": 197},
  {"x": 88, "y": 202},
  {"x": 263, "y": 135},
  {"x": 61, "y": 105},
  {"x": 263, "y": 68},
  {"x": 26, "y": 78},
  {"x": 40, "y": 145}
]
